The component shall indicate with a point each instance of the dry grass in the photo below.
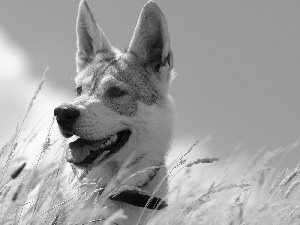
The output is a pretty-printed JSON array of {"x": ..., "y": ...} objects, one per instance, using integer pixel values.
[{"x": 255, "y": 194}]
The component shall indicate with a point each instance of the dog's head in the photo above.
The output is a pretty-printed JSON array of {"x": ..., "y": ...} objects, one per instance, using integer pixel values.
[{"x": 122, "y": 102}]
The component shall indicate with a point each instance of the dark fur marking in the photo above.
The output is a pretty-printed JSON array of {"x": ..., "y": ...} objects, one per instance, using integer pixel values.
[
  {"x": 98, "y": 73},
  {"x": 126, "y": 105},
  {"x": 126, "y": 69},
  {"x": 131, "y": 71}
]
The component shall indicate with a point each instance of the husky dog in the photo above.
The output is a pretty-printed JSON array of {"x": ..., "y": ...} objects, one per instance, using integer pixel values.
[{"x": 119, "y": 127}]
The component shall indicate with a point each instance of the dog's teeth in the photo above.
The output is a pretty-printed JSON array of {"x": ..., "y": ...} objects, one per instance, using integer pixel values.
[
  {"x": 113, "y": 138},
  {"x": 108, "y": 142}
]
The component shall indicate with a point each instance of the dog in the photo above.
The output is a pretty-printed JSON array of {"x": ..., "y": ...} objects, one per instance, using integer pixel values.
[{"x": 119, "y": 128}]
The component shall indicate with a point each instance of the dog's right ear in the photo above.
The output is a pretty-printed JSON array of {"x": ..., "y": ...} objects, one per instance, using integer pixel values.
[
  {"x": 151, "y": 42},
  {"x": 90, "y": 38}
]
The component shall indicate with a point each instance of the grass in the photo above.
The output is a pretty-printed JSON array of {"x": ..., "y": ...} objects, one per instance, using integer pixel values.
[{"x": 253, "y": 194}]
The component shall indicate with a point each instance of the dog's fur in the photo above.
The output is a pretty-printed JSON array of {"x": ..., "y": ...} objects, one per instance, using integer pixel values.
[{"x": 122, "y": 91}]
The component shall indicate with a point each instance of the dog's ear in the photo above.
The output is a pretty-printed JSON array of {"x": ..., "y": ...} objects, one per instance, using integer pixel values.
[
  {"x": 90, "y": 38},
  {"x": 151, "y": 42}
]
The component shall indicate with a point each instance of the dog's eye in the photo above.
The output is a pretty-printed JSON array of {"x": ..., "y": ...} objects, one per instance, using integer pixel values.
[
  {"x": 79, "y": 90},
  {"x": 115, "y": 92}
]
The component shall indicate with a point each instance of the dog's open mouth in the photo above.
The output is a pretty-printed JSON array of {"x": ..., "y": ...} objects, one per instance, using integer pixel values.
[{"x": 83, "y": 152}]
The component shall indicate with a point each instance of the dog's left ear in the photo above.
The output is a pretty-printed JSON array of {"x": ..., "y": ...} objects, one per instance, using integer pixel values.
[
  {"x": 90, "y": 38},
  {"x": 151, "y": 42}
]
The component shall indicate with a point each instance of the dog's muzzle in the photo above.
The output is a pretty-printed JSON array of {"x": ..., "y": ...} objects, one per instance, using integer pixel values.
[{"x": 66, "y": 115}]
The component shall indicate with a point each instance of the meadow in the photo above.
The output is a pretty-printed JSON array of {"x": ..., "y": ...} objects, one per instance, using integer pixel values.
[{"x": 240, "y": 189}]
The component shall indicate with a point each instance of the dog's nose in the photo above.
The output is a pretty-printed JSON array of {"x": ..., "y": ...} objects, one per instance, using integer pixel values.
[{"x": 66, "y": 114}]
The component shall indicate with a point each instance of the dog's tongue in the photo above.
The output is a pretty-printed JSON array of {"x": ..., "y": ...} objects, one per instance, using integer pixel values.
[{"x": 80, "y": 149}]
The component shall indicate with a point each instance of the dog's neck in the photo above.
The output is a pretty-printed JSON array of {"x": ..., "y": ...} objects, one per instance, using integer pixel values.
[
  {"x": 136, "y": 203},
  {"x": 140, "y": 184},
  {"x": 136, "y": 198},
  {"x": 139, "y": 179}
]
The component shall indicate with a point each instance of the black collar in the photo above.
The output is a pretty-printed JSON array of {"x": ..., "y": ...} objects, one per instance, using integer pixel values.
[{"x": 140, "y": 200}]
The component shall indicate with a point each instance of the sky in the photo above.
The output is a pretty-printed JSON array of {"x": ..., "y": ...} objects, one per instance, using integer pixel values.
[{"x": 237, "y": 65}]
